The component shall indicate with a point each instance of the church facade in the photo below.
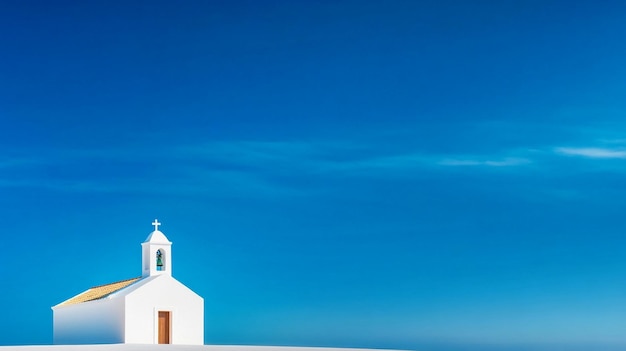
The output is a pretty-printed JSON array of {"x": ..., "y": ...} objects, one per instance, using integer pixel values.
[{"x": 152, "y": 309}]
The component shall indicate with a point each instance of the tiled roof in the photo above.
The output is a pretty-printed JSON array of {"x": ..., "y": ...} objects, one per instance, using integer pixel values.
[{"x": 99, "y": 292}]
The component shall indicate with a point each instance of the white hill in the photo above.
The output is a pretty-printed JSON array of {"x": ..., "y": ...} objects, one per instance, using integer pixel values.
[{"x": 138, "y": 347}]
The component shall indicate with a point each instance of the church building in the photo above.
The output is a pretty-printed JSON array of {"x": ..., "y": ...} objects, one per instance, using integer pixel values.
[{"x": 152, "y": 309}]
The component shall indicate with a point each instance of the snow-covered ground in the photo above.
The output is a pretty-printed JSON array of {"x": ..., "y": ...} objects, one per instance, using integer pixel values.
[{"x": 135, "y": 347}]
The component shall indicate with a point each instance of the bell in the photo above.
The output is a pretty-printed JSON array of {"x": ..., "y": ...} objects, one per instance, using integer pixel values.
[{"x": 159, "y": 259}]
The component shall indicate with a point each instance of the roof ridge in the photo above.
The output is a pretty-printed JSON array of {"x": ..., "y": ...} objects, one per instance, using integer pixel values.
[{"x": 117, "y": 282}]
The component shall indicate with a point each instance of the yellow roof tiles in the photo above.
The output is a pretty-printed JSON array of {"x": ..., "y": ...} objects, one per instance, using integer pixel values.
[{"x": 99, "y": 292}]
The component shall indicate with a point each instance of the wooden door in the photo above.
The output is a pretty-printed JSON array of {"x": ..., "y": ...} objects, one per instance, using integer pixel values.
[{"x": 164, "y": 327}]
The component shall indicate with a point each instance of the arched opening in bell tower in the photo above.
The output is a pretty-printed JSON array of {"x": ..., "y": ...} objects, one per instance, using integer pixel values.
[{"x": 160, "y": 260}]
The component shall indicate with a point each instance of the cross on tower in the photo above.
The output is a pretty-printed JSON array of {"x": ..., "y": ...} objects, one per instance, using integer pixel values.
[{"x": 156, "y": 224}]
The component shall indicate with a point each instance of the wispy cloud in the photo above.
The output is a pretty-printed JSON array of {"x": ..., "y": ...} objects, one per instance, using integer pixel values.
[
  {"x": 390, "y": 163},
  {"x": 262, "y": 167},
  {"x": 338, "y": 156},
  {"x": 505, "y": 162},
  {"x": 219, "y": 168},
  {"x": 600, "y": 153}
]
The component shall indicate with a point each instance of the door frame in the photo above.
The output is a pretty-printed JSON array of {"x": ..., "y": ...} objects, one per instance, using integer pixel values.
[
  {"x": 165, "y": 331},
  {"x": 171, "y": 311}
]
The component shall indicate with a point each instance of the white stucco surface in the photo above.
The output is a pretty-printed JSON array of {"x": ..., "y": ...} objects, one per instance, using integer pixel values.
[
  {"x": 156, "y": 241},
  {"x": 131, "y": 315},
  {"x": 131, "y": 347},
  {"x": 96, "y": 322},
  {"x": 164, "y": 293}
]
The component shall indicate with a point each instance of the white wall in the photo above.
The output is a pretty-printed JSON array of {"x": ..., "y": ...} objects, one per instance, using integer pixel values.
[
  {"x": 93, "y": 322},
  {"x": 164, "y": 293},
  {"x": 148, "y": 252},
  {"x": 129, "y": 347}
]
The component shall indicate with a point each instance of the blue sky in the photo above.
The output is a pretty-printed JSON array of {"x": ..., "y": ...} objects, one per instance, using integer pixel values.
[{"x": 431, "y": 175}]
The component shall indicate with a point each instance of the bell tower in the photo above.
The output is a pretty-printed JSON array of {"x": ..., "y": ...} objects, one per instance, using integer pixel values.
[{"x": 156, "y": 253}]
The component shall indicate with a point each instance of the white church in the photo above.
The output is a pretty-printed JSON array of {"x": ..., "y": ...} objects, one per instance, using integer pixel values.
[{"x": 152, "y": 309}]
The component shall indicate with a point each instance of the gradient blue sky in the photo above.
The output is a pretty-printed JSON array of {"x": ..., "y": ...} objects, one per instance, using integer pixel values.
[{"x": 432, "y": 175}]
